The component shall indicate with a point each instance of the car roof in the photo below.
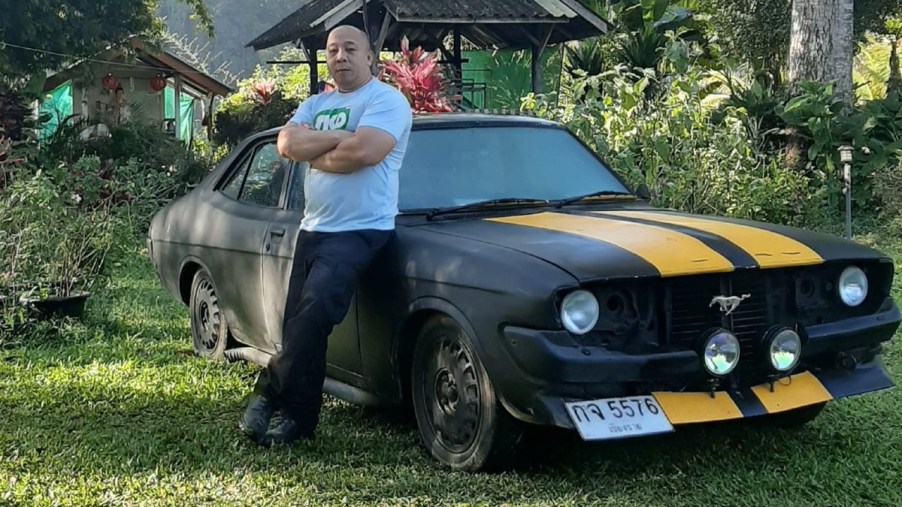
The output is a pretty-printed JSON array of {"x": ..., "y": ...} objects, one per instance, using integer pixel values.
[
  {"x": 421, "y": 121},
  {"x": 458, "y": 119}
]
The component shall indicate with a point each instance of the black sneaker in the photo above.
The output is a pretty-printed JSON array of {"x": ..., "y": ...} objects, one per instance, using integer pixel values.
[
  {"x": 255, "y": 420},
  {"x": 287, "y": 432}
]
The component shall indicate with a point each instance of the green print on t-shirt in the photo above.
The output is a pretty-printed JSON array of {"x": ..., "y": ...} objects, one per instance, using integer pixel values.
[{"x": 332, "y": 119}]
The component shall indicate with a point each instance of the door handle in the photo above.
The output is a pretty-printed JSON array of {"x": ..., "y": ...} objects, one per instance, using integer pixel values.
[{"x": 277, "y": 232}]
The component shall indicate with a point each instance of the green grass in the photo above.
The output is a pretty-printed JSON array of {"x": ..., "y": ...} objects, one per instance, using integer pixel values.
[{"x": 116, "y": 410}]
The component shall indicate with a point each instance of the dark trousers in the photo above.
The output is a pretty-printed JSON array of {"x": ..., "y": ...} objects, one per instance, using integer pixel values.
[{"x": 324, "y": 275}]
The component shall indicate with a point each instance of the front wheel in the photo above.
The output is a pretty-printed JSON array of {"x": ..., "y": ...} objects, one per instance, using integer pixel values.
[
  {"x": 209, "y": 332},
  {"x": 460, "y": 419}
]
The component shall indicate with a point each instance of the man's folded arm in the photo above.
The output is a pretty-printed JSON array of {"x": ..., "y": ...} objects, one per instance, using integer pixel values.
[
  {"x": 302, "y": 143},
  {"x": 367, "y": 147}
]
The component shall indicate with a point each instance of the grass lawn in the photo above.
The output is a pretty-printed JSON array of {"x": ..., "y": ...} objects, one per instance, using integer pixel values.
[{"x": 117, "y": 411}]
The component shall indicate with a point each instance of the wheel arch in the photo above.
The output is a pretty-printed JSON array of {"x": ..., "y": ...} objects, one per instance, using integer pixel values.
[
  {"x": 190, "y": 266},
  {"x": 419, "y": 313}
]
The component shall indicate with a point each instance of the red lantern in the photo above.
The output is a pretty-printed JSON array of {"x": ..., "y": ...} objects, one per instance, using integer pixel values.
[
  {"x": 109, "y": 82},
  {"x": 157, "y": 83}
]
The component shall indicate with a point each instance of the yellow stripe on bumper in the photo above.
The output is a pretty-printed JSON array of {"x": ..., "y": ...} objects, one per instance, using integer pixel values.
[
  {"x": 672, "y": 253},
  {"x": 687, "y": 408},
  {"x": 796, "y": 391},
  {"x": 769, "y": 249}
]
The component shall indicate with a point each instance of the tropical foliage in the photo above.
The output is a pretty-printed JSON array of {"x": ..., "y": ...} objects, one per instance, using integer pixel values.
[
  {"x": 417, "y": 74},
  {"x": 265, "y": 100}
]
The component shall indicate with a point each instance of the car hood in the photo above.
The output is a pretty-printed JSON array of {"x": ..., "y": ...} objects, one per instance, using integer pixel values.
[{"x": 647, "y": 242}]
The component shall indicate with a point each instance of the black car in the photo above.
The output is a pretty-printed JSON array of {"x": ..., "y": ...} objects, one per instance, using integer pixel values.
[{"x": 527, "y": 285}]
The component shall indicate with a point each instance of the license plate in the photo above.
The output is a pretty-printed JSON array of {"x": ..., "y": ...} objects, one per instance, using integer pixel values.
[{"x": 618, "y": 417}]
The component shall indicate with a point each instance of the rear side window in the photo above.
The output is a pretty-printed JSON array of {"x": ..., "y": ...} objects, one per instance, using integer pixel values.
[
  {"x": 260, "y": 178},
  {"x": 233, "y": 186}
]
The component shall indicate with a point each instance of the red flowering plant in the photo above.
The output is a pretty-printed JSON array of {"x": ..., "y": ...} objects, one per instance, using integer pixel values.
[
  {"x": 418, "y": 76},
  {"x": 263, "y": 91}
]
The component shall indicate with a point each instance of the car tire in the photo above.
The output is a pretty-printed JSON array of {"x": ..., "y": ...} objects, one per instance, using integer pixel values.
[
  {"x": 209, "y": 332},
  {"x": 461, "y": 421},
  {"x": 794, "y": 419}
]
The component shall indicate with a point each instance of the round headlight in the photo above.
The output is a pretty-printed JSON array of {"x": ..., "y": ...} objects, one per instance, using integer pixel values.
[
  {"x": 721, "y": 352},
  {"x": 579, "y": 312},
  {"x": 784, "y": 348},
  {"x": 853, "y": 286}
]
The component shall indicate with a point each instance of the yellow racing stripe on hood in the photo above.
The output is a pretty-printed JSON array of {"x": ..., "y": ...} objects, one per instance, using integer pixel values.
[
  {"x": 769, "y": 249},
  {"x": 672, "y": 253}
]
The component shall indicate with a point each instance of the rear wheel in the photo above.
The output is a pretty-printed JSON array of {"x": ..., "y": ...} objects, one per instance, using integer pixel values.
[
  {"x": 209, "y": 332},
  {"x": 460, "y": 419}
]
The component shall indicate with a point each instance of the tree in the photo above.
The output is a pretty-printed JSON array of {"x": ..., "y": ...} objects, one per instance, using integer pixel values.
[
  {"x": 811, "y": 40},
  {"x": 844, "y": 51},
  {"x": 42, "y": 35},
  {"x": 640, "y": 34},
  {"x": 821, "y": 44},
  {"x": 757, "y": 31}
]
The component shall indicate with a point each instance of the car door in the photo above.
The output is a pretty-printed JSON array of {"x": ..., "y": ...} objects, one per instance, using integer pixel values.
[
  {"x": 249, "y": 196},
  {"x": 343, "y": 352}
]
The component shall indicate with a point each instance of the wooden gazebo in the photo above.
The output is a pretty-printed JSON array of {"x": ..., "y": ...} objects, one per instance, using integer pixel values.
[{"x": 485, "y": 24}]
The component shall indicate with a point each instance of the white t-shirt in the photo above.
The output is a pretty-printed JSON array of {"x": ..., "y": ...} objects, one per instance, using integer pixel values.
[{"x": 364, "y": 199}]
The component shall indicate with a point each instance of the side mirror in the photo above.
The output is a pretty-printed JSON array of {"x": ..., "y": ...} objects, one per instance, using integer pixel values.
[{"x": 642, "y": 192}]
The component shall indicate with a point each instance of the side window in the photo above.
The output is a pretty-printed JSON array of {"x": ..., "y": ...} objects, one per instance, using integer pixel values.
[
  {"x": 265, "y": 177},
  {"x": 296, "y": 187},
  {"x": 233, "y": 187},
  {"x": 259, "y": 179}
]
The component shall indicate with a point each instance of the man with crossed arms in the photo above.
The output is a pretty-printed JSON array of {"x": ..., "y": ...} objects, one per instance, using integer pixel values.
[{"x": 354, "y": 138}]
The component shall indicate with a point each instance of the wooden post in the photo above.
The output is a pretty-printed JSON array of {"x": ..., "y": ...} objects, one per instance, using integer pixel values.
[
  {"x": 210, "y": 114},
  {"x": 458, "y": 58},
  {"x": 458, "y": 65},
  {"x": 379, "y": 41},
  {"x": 537, "y": 51},
  {"x": 310, "y": 53},
  {"x": 177, "y": 107},
  {"x": 314, "y": 74},
  {"x": 536, "y": 69}
]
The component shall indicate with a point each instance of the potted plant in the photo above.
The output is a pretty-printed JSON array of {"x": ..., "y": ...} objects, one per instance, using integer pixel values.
[
  {"x": 73, "y": 262},
  {"x": 61, "y": 229}
]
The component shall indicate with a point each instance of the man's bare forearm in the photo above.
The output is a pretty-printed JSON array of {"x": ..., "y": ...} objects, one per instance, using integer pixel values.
[
  {"x": 347, "y": 157},
  {"x": 301, "y": 144}
]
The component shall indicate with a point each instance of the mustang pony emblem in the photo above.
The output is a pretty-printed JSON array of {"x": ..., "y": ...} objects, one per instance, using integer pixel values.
[{"x": 728, "y": 304}]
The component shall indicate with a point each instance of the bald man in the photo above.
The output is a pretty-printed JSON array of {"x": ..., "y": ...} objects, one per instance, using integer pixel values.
[{"x": 354, "y": 139}]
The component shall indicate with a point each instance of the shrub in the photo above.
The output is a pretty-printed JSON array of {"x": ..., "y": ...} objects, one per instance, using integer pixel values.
[
  {"x": 238, "y": 118},
  {"x": 874, "y": 131},
  {"x": 13, "y": 114},
  {"x": 58, "y": 229},
  {"x": 418, "y": 76},
  {"x": 265, "y": 100},
  {"x": 668, "y": 140},
  {"x": 886, "y": 185},
  {"x": 144, "y": 144}
]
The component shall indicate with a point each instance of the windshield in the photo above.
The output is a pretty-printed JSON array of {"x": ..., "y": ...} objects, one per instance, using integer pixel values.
[{"x": 457, "y": 166}]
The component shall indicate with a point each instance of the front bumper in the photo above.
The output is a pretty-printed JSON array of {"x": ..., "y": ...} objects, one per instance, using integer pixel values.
[{"x": 842, "y": 357}]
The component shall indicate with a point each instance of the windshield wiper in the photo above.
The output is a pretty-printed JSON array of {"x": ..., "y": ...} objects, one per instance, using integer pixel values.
[
  {"x": 483, "y": 204},
  {"x": 601, "y": 193}
]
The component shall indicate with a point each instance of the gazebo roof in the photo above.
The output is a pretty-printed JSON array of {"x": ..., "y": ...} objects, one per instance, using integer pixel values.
[{"x": 486, "y": 24}]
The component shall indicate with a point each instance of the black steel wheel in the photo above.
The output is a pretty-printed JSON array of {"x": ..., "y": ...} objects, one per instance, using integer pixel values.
[
  {"x": 209, "y": 332},
  {"x": 461, "y": 421}
]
